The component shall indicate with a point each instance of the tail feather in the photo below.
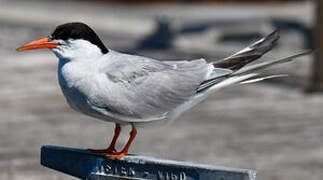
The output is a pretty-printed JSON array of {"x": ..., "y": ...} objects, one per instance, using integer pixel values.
[
  {"x": 257, "y": 79},
  {"x": 249, "y": 54},
  {"x": 260, "y": 66},
  {"x": 246, "y": 75}
]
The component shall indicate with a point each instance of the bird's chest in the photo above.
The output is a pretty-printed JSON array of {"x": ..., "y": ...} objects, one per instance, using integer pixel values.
[{"x": 74, "y": 81}]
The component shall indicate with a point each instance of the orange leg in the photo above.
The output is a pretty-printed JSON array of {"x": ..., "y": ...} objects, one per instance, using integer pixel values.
[
  {"x": 124, "y": 152},
  {"x": 111, "y": 148}
]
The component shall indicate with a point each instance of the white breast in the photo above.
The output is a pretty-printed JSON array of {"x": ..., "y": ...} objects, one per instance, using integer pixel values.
[{"x": 73, "y": 79}]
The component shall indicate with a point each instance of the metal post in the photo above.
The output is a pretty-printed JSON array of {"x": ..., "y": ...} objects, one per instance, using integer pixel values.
[
  {"x": 316, "y": 83},
  {"x": 89, "y": 166}
]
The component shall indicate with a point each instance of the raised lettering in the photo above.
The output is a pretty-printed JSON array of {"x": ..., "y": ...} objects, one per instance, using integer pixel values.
[
  {"x": 115, "y": 168},
  {"x": 160, "y": 175},
  {"x": 173, "y": 177},
  {"x": 146, "y": 174},
  {"x": 132, "y": 172},
  {"x": 123, "y": 171},
  {"x": 167, "y": 176},
  {"x": 182, "y": 176},
  {"x": 106, "y": 168}
]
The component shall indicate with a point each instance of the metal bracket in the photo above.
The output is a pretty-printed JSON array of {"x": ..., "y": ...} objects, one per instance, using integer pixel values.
[{"x": 91, "y": 166}]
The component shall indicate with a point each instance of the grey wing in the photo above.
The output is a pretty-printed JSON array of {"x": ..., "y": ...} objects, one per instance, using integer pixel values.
[{"x": 146, "y": 89}]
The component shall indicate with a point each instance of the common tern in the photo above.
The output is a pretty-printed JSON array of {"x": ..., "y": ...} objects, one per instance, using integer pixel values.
[{"x": 139, "y": 91}]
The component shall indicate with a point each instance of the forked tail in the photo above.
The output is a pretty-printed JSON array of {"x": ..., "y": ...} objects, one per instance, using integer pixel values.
[{"x": 248, "y": 74}]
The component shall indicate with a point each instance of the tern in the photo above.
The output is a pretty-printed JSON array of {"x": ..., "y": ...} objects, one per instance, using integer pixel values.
[{"x": 141, "y": 91}]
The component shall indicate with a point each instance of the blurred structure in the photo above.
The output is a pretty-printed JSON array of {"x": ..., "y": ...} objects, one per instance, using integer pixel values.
[
  {"x": 270, "y": 126},
  {"x": 159, "y": 39},
  {"x": 316, "y": 83}
]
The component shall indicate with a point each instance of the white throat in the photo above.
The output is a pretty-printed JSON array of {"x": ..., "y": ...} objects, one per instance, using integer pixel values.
[{"x": 77, "y": 50}]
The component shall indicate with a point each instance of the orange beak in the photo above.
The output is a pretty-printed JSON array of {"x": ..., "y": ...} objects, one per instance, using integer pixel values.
[{"x": 37, "y": 44}]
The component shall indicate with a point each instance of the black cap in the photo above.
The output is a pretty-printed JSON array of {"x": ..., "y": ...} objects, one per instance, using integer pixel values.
[{"x": 77, "y": 30}]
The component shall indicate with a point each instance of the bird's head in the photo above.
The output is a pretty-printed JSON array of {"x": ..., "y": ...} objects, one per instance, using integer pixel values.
[{"x": 71, "y": 41}]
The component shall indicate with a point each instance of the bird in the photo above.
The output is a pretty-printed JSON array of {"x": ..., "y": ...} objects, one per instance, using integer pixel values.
[{"x": 141, "y": 91}]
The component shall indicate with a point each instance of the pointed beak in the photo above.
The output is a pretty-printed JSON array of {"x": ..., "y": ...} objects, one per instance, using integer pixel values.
[{"x": 37, "y": 44}]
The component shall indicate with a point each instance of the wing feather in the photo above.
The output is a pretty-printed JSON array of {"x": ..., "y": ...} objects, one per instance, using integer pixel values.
[{"x": 143, "y": 88}]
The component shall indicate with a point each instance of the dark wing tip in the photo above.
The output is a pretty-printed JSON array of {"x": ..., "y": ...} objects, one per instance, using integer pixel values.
[{"x": 249, "y": 54}]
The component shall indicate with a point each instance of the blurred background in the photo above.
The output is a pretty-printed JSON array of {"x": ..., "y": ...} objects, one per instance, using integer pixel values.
[{"x": 274, "y": 127}]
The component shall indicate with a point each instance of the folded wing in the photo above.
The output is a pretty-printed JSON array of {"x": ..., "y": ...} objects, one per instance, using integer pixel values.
[{"x": 145, "y": 89}]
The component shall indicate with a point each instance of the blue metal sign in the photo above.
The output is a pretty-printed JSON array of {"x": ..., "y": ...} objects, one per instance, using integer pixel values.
[{"x": 90, "y": 166}]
